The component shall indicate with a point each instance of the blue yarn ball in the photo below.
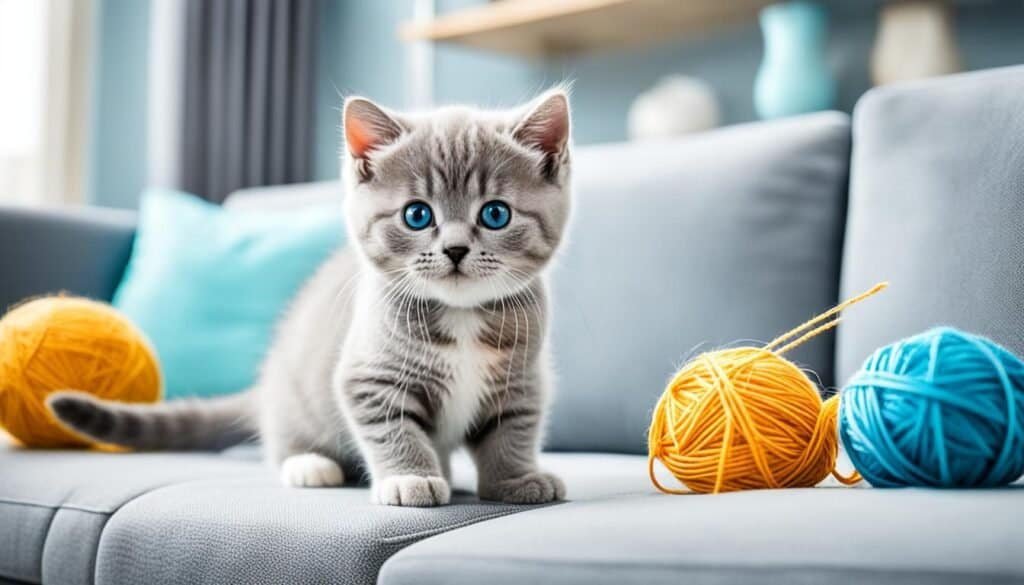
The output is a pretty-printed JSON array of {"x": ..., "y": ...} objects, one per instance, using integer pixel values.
[{"x": 941, "y": 409}]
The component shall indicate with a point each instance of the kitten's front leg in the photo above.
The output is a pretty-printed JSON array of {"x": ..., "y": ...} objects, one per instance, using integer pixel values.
[
  {"x": 504, "y": 447},
  {"x": 391, "y": 421}
]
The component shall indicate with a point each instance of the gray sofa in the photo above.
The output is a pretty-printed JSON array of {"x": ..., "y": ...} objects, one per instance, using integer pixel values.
[{"x": 676, "y": 246}]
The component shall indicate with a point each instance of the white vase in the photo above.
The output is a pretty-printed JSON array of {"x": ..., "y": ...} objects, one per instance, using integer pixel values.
[
  {"x": 915, "y": 39},
  {"x": 676, "y": 105}
]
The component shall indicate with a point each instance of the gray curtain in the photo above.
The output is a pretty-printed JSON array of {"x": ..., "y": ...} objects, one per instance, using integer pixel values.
[{"x": 248, "y": 94}]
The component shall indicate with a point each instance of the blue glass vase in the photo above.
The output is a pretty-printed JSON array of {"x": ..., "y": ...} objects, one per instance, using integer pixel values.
[{"x": 793, "y": 77}]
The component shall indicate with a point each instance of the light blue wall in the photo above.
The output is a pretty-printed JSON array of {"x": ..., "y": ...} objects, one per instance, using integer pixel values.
[
  {"x": 116, "y": 171},
  {"x": 990, "y": 35},
  {"x": 330, "y": 50},
  {"x": 359, "y": 52},
  {"x": 480, "y": 78},
  {"x": 605, "y": 83}
]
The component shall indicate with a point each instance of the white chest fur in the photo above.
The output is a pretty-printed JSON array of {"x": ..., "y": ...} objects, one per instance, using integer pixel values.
[{"x": 469, "y": 363}]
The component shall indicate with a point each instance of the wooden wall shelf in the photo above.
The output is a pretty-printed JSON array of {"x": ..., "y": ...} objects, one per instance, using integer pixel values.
[{"x": 542, "y": 28}]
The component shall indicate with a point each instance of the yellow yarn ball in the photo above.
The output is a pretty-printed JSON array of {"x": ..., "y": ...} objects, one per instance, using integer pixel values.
[
  {"x": 748, "y": 418},
  {"x": 68, "y": 343},
  {"x": 743, "y": 418}
]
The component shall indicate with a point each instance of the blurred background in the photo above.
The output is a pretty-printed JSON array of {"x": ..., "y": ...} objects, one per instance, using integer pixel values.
[{"x": 102, "y": 98}]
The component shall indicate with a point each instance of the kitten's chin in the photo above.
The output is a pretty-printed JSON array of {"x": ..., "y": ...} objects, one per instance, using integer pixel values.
[{"x": 464, "y": 291}]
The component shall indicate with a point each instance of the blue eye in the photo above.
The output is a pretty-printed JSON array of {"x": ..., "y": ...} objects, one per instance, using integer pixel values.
[
  {"x": 495, "y": 215},
  {"x": 418, "y": 215}
]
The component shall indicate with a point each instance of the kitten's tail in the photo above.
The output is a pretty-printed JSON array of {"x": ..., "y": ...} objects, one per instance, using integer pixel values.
[{"x": 211, "y": 424}]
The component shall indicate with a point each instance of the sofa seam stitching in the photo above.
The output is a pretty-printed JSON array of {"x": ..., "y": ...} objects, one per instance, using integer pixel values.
[
  {"x": 399, "y": 538},
  {"x": 75, "y": 507}
]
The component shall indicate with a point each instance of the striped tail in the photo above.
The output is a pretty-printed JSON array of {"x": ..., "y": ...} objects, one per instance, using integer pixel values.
[{"x": 211, "y": 424}]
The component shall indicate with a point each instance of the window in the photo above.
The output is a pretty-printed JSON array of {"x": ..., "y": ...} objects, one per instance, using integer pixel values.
[
  {"x": 44, "y": 48},
  {"x": 22, "y": 61}
]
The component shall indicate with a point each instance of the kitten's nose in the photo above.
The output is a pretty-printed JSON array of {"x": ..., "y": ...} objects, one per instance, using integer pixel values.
[{"x": 456, "y": 253}]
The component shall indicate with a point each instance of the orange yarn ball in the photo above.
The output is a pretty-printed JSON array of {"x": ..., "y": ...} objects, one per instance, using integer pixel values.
[
  {"x": 67, "y": 343},
  {"x": 743, "y": 418}
]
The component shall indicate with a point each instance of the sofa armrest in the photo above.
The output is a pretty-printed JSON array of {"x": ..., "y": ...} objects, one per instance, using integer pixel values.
[{"x": 82, "y": 251}]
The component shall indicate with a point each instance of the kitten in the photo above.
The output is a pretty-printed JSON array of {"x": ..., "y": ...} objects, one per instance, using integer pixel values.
[{"x": 424, "y": 334}]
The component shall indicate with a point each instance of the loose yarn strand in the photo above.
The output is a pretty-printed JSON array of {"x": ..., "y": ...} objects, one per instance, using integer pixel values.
[{"x": 827, "y": 314}]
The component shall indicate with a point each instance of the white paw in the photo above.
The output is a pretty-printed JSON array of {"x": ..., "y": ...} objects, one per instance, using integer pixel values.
[
  {"x": 412, "y": 490},
  {"x": 311, "y": 470},
  {"x": 538, "y": 487}
]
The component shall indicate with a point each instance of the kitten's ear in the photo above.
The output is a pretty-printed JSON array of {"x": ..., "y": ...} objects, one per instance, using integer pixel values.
[
  {"x": 545, "y": 127},
  {"x": 367, "y": 127}
]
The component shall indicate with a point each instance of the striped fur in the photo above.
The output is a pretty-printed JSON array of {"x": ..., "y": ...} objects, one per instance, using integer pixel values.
[
  {"x": 390, "y": 358},
  {"x": 186, "y": 424}
]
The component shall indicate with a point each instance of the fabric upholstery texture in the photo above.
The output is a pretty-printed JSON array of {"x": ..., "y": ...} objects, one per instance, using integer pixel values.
[
  {"x": 937, "y": 208},
  {"x": 686, "y": 245},
  {"x": 75, "y": 250},
  {"x": 242, "y": 531},
  {"x": 54, "y": 504},
  {"x": 191, "y": 533},
  {"x": 200, "y": 518},
  {"x": 208, "y": 285},
  {"x": 821, "y": 535}
]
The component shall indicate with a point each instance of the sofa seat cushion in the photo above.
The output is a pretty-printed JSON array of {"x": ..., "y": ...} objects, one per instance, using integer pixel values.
[
  {"x": 54, "y": 505},
  {"x": 799, "y": 536},
  {"x": 257, "y": 531},
  {"x": 83, "y": 517},
  {"x": 254, "y": 531}
]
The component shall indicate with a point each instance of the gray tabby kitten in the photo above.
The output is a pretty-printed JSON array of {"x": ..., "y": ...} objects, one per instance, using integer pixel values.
[{"x": 425, "y": 334}]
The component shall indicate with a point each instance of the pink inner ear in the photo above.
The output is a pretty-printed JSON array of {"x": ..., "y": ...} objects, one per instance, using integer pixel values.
[
  {"x": 547, "y": 126},
  {"x": 359, "y": 138},
  {"x": 555, "y": 132},
  {"x": 367, "y": 127}
]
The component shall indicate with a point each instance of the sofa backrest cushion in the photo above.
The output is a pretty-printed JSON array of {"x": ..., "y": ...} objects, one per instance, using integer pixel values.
[
  {"x": 682, "y": 246},
  {"x": 80, "y": 251},
  {"x": 937, "y": 208}
]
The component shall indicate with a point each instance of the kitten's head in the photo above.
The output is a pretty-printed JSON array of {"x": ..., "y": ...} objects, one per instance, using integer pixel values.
[{"x": 460, "y": 205}]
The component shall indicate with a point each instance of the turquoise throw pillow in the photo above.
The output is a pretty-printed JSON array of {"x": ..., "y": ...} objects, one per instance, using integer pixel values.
[{"x": 208, "y": 284}]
